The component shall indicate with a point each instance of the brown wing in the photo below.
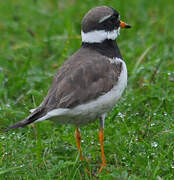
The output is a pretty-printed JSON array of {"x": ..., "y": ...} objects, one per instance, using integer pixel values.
[{"x": 85, "y": 76}]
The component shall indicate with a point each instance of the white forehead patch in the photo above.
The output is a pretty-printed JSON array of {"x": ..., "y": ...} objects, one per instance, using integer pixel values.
[
  {"x": 104, "y": 18},
  {"x": 99, "y": 36},
  {"x": 119, "y": 17}
]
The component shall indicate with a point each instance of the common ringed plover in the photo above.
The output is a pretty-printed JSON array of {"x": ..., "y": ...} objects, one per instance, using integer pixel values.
[{"x": 91, "y": 81}]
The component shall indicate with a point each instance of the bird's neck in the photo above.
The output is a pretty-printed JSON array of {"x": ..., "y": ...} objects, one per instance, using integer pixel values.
[{"x": 107, "y": 48}]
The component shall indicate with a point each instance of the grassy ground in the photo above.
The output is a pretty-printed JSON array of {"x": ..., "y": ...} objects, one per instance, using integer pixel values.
[{"x": 36, "y": 37}]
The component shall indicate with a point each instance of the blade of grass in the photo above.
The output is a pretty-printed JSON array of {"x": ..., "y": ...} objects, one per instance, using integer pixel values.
[
  {"x": 8, "y": 170},
  {"x": 140, "y": 59}
]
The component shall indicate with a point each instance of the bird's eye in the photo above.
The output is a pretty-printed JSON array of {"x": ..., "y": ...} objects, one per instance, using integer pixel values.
[
  {"x": 116, "y": 16},
  {"x": 112, "y": 19}
]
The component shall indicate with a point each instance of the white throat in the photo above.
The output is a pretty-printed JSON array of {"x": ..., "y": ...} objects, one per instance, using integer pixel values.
[{"x": 99, "y": 36}]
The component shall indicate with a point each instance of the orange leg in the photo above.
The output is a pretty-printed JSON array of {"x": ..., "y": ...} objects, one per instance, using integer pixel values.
[
  {"x": 101, "y": 138},
  {"x": 78, "y": 138}
]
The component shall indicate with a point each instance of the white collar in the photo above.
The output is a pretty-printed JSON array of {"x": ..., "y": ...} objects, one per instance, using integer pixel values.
[{"x": 99, "y": 36}]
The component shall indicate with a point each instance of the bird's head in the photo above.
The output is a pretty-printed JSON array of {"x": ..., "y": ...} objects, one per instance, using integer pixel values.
[{"x": 101, "y": 23}]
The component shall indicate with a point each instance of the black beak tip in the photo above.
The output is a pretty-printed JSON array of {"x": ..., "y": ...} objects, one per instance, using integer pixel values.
[{"x": 128, "y": 26}]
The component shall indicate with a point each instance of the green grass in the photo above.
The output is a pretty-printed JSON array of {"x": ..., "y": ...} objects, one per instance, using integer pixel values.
[{"x": 38, "y": 35}]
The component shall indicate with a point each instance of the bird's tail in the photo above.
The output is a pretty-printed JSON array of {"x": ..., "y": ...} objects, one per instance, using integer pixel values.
[
  {"x": 19, "y": 124},
  {"x": 30, "y": 119}
]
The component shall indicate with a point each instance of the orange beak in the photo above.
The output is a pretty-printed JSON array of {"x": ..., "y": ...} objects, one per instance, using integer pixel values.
[{"x": 124, "y": 25}]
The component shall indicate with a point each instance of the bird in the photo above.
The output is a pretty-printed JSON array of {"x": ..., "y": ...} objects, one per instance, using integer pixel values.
[{"x": 88, "y": 85}]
